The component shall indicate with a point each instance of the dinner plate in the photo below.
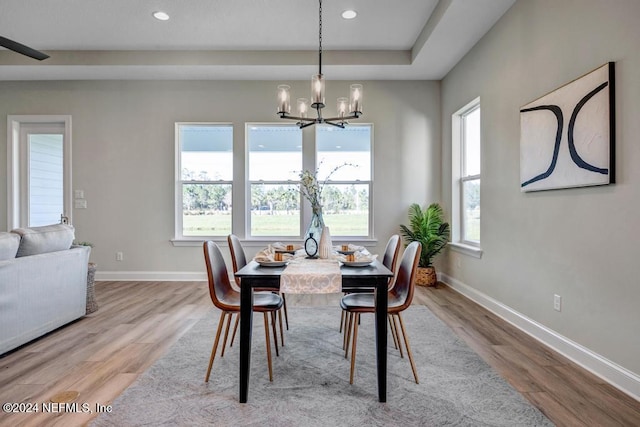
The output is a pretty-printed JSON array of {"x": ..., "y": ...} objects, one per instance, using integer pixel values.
[
  {"x": 272, "y": 263},
  {"x": 357, "y": 263}
]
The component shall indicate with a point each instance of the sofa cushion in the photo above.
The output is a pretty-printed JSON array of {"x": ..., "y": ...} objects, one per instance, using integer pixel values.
[
  {"x": 49, "y": 238},
  {"x": 9, "y": 243}
]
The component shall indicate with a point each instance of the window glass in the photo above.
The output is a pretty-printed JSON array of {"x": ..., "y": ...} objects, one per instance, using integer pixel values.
[
  {"x": 472, "y": 142},
  {"x": 274, "y": 164},
  {"x": 471, "y": 210},
  {"x": 343, "y": 158}
]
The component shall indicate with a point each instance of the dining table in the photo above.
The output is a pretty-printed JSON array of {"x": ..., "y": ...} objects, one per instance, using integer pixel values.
[{"x": 373, "y": 275}]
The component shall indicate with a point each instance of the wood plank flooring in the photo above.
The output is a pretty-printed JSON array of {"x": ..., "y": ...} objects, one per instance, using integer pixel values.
[{"x": 102, "y": 354}]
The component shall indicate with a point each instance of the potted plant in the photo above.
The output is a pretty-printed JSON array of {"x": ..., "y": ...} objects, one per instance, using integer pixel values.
[{"x": 427, "y": 227}]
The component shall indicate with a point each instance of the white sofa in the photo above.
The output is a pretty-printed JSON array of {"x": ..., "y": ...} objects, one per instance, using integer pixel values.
[{"x": 43, "y": 282}]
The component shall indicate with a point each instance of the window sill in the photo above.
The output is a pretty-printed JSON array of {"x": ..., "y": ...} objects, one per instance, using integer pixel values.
[
  {"x": 466, "y": 249},
  {"x": 262, "y": 242}
]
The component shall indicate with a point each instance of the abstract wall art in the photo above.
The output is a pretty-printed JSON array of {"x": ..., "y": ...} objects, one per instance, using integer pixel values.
[{"x": 567, "y": 136}]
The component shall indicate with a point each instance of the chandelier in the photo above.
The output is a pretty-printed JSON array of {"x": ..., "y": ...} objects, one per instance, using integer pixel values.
[{"x": 347, "y": 108}]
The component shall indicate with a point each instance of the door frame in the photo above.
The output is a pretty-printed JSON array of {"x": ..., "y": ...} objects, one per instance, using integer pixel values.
[{"x": 14, "y": 164}]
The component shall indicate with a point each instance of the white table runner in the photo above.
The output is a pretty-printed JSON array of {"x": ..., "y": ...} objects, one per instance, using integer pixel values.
[{"x": 311, "y": 276}]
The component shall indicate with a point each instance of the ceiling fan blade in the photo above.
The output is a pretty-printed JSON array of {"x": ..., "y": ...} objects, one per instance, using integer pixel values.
[{"x": 20, "y": 48}]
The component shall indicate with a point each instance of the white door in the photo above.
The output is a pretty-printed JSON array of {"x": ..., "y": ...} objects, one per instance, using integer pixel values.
[{"x": 39, "y": 191}]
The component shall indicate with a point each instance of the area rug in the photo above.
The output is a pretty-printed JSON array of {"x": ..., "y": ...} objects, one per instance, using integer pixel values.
[{"x": 311, "y": 381}]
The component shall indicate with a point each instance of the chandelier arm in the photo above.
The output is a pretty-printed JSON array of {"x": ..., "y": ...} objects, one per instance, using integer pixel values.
[
  {"x": 340, "y": 119},
  {"x": 304, "y": 125},
  {"x": 289, "y": 117},
  {"x": 338, "y": 125}
]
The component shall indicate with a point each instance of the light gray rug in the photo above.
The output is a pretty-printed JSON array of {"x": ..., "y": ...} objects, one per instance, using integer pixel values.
[{"x": 311, "y": 381}]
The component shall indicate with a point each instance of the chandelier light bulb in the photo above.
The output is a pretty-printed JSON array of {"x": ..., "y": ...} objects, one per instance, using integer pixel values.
[
  {"x": 303, "y": 107},
  {"x": 342, "y": 107},
  {"x": 356, "y": 98},
  {"x": 317, "y": 91},
  {"x": 284, "y": 100}
]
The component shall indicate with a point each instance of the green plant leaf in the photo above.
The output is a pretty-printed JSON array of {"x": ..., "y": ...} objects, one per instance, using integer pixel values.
[{"x": 427, "y": 227}]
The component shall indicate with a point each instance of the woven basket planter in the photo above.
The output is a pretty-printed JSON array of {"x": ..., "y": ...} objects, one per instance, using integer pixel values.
[
  {"x": 92, "y": 305},
  {"x": 426, "y": 276}
]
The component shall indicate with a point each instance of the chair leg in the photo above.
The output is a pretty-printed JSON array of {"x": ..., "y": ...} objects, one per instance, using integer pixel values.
[
  {"x": 279, "y": 315},
  {"x": 286, "y": 313},
  {"x": 275, "y": 335},
  {"x": 347, "y": 335},
  {"x": 393, "y": 331},
  {"x": 395, "y": 326},
  {"x": 341, "y": 320},
  {"x": 266, "y": 334},
  {"x": 226, "y": 333},
  {"x": 215, "y": 345},
  {"x": 235, "y": 329},
  {"x": 406, "y": 343},
  {"x": 353, "y": 346}
]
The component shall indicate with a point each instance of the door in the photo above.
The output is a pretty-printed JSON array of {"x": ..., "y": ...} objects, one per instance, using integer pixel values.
[{"x": 40, "y": 171}]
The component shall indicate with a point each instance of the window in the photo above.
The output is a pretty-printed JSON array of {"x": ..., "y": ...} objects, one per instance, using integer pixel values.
[
  {"x": 274, "y": 161},
  {"x": 346, "y": 202},
  {"x": 466, "y": 175},
  {"x": 204, "y": 171},
  {"x": 274, "y": 156}
]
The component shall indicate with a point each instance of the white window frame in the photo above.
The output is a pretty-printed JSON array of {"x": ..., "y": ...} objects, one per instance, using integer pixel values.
[
  {"x": 458, "y": 243},
  {"x": 178, "y": 232},
  {"x": 17, "y": 165}
]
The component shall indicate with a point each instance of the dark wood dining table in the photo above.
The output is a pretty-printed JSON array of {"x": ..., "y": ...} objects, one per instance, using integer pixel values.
[{"x": 374, "y": 275}]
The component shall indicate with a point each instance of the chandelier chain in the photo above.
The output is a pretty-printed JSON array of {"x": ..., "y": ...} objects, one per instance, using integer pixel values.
[{"x": 320, "y": 37}]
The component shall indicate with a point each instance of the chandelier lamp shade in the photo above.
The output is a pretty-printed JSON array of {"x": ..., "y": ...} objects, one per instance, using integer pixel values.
[{"x": 347, "y": 108}]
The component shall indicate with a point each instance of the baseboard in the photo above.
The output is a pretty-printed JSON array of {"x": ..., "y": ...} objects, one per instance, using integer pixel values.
[
  {"x": 619, "y": 377},
  {"x": 152, "y": 276}
]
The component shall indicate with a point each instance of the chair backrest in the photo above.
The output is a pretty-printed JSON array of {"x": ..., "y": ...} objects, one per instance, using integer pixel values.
[
  {"x": 219, "y": 284},
  {"x": 406, "y": 277},
  {"x": 238, "y": 256},
  {"x": 391, "y": 252}
]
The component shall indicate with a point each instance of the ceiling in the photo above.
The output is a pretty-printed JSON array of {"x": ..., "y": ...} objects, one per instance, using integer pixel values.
[{"x": 242, "y": 39}]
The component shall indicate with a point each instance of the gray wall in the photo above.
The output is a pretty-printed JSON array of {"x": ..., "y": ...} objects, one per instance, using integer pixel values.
[
  {"x": 579, "y": 243},
  {"x": 123, "y": 154}
]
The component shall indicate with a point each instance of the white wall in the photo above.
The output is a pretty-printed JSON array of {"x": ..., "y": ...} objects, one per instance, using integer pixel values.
[
  {"x": 123, "y": 155},
  {"x": 579, "y": 243}
]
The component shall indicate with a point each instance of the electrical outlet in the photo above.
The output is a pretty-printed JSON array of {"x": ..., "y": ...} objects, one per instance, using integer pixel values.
[
  {"x": 557, "y": 303},
  {"x": 119, "y": 256}
]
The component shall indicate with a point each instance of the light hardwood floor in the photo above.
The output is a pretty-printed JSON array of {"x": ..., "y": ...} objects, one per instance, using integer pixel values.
[{"x": 103, "y": 353}]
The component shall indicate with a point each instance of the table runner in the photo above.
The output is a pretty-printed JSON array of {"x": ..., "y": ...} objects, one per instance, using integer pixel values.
[{"x": 311, "y": 276}]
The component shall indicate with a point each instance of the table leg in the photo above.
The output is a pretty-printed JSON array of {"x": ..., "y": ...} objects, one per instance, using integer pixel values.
[
  {"x": 246, "y": 318},
  {"x": 381, "y": 337}
]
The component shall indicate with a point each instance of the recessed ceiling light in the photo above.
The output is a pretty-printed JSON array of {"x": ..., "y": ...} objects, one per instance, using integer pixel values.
[
  {"x": 161, "y": 16},
  {"x": 349, "y": 14}
]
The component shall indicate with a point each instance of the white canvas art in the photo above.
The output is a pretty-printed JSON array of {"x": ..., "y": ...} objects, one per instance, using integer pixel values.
[{"x": 567, "y": 136}]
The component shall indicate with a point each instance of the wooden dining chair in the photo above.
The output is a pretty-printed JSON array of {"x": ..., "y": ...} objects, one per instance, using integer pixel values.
[
  {"x": 227, "y": 299},
  {"x": 400, "y": 297},
  {"x": 239, "y": 260},
  {"x": 389, "y": 260}
]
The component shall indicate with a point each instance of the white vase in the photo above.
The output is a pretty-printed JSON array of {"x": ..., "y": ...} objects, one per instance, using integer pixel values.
[{"x": 325, "y": 244}]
